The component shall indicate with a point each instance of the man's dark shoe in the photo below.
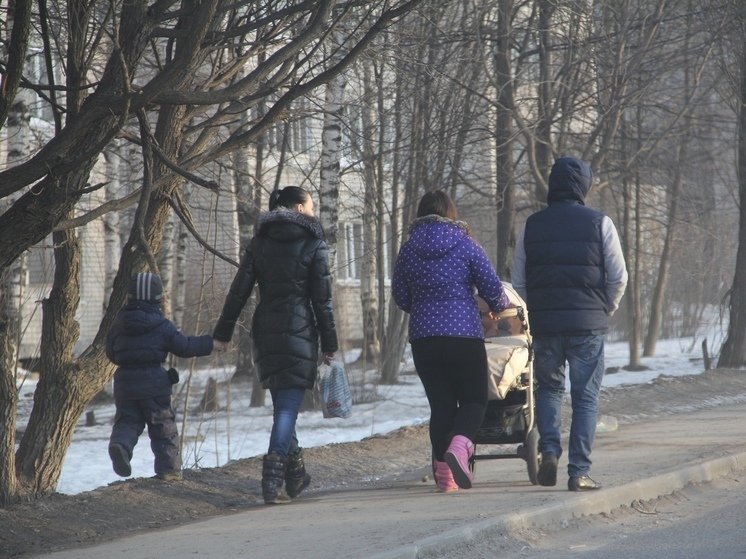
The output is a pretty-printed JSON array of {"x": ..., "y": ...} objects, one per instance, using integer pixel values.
[
  {"x": 582, "y": 483},
  {"x": 548, "y": 469}
]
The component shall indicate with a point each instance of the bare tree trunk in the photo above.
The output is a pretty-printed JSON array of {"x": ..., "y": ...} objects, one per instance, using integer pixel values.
[
  {"x": 331, "y": 139},
  {"x": 368, "y": 300},
  {"x": 17, "y": 26},
  {"x": 394, "y": 341},
  {"x": 42, "y": 448},
  {"x": 733, "y": 352},
  {"x": 248, "y": 199},
  {"x": 178, "y": 291},
  {"x": 9, "y": 401},
  {"x": 634, "y": 212},
  {"x": 543, "y": 142},
  {"x": 331, "y": 142},
  {"x": 113, "y": 247},
  {"x": 664, "y": 266},
  {"x": 504, "y": 144},
  {"x": 167, "y": 263},
  {"x": 8, "y": 408},
  {"x": 638, "y": 268},
  {"x": 382, "y": 249},
  {"x": 12, "y": 284},
  {"x": 631, "y": 247}
]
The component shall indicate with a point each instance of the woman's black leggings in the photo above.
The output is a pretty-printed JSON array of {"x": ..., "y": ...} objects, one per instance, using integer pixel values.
[{"x": 454, "y": 374}]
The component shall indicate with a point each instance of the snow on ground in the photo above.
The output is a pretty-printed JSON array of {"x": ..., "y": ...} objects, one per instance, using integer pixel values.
[{"x": 238, "y": 431}]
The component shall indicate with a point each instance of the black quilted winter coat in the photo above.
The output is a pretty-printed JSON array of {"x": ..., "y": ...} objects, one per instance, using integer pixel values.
[{"x": 289, "y": 260}]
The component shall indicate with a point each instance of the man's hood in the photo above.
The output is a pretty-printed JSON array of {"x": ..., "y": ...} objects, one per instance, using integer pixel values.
[
  {"x": 432, "y": 236},
  {"x": 570, "y": 179}
]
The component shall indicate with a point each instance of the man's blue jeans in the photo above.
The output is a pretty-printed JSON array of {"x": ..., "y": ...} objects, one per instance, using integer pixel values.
[
  {"x": 286, "y": 403},
  {"x": 585, "y": 356}
]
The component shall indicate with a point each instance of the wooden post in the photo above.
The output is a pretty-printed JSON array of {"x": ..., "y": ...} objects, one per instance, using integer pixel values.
[
  {"x": 210, "y": 398},
  {"x": 706, "y": 355}
]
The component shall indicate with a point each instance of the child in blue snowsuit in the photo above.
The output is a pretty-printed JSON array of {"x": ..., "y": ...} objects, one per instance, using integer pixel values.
[{"x": 139, "y": 343}]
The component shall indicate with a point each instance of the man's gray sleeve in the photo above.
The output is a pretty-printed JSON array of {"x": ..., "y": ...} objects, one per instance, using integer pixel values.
[
  {"x": 616, "y": 270},
  {"x": 518, "y": 275}
]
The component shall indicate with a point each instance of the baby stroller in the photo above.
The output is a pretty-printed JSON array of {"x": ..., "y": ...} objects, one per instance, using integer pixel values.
[{"x": 510, "y": 409}]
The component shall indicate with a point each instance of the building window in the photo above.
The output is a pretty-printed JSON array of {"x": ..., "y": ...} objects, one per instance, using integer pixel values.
[
  {"x": 350, "y": 249},
  {"x": 40, "y": 265},
  {"x": 300, "y": 129},
  {"x": 350, "y": 252},
  {"x": 38, "y": 74}
]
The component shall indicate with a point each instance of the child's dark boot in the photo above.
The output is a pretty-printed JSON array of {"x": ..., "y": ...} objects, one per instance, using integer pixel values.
[{"x": 120, "y": 460}]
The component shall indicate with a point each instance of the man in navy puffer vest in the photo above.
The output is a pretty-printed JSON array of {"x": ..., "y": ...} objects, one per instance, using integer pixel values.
[{"x": 570, "y": 270}]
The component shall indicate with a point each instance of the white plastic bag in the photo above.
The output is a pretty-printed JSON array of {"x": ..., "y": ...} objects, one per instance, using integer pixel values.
[{"x": 336, "y": 398}]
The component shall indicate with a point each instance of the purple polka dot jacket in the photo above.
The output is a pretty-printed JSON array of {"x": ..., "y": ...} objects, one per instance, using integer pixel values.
[{"x": 436, "y": 274}]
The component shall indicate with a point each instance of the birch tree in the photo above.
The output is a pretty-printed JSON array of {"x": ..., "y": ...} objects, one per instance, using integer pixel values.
[
  {"x": 111, "y": 220},
  {"x": 504, "y": 139},
  {"x": 331, "y": 139},
  {"x": 370, "y": 155}
]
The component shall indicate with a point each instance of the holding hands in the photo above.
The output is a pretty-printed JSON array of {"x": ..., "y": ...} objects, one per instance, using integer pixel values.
[{"x": 218, "y": 346}]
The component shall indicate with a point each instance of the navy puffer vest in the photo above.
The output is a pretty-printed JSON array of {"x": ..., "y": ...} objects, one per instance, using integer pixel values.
[{"x": 565, "y": 275}]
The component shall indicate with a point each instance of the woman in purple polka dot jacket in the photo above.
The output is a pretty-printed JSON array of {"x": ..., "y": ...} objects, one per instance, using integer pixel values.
[{"x": 436, "y": 273}]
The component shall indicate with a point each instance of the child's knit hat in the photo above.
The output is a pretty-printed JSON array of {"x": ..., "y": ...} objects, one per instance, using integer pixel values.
[{"x": 146, "y": 287}]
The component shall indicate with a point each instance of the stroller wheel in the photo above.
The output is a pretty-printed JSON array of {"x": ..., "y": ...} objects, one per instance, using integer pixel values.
[{"x": 531, "y": 455}]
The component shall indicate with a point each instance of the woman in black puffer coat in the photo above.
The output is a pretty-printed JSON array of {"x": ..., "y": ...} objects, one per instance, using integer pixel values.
[{"x": 289, "y": 260}]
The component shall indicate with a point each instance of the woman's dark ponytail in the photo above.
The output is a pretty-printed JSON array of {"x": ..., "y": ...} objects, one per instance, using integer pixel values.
[
  {"x": 274, "y": 199},
  {"x": 288, "y": 197}
]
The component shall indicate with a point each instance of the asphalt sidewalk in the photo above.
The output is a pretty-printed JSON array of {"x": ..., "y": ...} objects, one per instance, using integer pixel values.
[{"x": 406, "y": 517}]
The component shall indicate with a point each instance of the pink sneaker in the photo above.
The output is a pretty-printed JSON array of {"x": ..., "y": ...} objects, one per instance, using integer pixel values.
[
  {"x": 457, "y": 457},
  {"x": 443, "y": 477}
]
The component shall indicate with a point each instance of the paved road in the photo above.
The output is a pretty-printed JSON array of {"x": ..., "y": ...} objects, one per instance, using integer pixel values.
[
  {"x": 703, "y": 520},
  {"x": 406, "y": 518},
  {"x": 719, "y": 533}
]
